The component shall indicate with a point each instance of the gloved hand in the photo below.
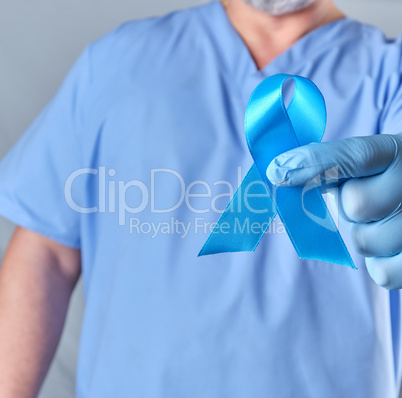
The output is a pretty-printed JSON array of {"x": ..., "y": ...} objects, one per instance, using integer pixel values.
[{"x": 370, "y": 193}]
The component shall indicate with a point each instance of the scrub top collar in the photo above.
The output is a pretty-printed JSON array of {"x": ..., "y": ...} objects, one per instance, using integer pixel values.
[{"x": 242, "y": 65}]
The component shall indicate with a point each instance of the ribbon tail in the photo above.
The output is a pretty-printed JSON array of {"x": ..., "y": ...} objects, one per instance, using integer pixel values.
[
  {"x": 245, "y": 219},
  {"x": 310, "y": 225}
]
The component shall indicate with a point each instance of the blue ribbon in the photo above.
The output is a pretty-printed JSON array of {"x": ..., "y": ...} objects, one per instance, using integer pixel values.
[{"x": 271, "y": 130}]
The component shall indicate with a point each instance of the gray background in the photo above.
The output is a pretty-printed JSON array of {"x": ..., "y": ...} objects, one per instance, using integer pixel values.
[{"x": 39, "y": 41}]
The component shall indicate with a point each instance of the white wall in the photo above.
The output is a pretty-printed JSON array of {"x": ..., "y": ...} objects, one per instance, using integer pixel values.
[
  {"x": 39, "y": 40},
  {"x": 383, "y": 13}
]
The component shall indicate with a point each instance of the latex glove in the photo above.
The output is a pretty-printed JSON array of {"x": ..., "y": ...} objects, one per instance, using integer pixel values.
[{"x": 370, "y": 194}]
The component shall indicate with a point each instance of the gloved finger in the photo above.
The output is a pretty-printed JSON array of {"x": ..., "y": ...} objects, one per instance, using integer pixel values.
[
  {"x": 386, "y": 271},
  {"x": 334, "y": 160},
  {"x": 379, "y": 238},
  {"x": 368, "y": 199}
]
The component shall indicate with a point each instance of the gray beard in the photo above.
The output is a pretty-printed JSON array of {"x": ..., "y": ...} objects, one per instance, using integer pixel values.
[{"x": 279, "y": 7}]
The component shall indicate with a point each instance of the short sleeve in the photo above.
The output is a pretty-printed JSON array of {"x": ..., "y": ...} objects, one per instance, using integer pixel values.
[
  {"x": 391, "y": 121},
  {"x": 34, "y": 172}
]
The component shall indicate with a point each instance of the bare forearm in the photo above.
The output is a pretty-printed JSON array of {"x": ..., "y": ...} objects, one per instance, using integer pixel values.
[{"x": 34, "y": 294}]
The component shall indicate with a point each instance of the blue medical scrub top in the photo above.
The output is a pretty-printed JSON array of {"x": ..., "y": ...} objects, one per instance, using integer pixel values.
[{"x": 133, "y": 160}]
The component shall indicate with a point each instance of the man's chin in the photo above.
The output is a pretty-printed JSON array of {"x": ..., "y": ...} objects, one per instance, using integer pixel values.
[{"x": 279, "y": 7}]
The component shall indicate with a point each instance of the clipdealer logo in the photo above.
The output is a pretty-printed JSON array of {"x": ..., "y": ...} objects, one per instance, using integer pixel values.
[{"x": 109, "y": 188}]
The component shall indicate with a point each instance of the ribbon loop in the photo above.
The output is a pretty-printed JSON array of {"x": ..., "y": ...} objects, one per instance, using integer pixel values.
[{"x": 271, "y": 130}]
